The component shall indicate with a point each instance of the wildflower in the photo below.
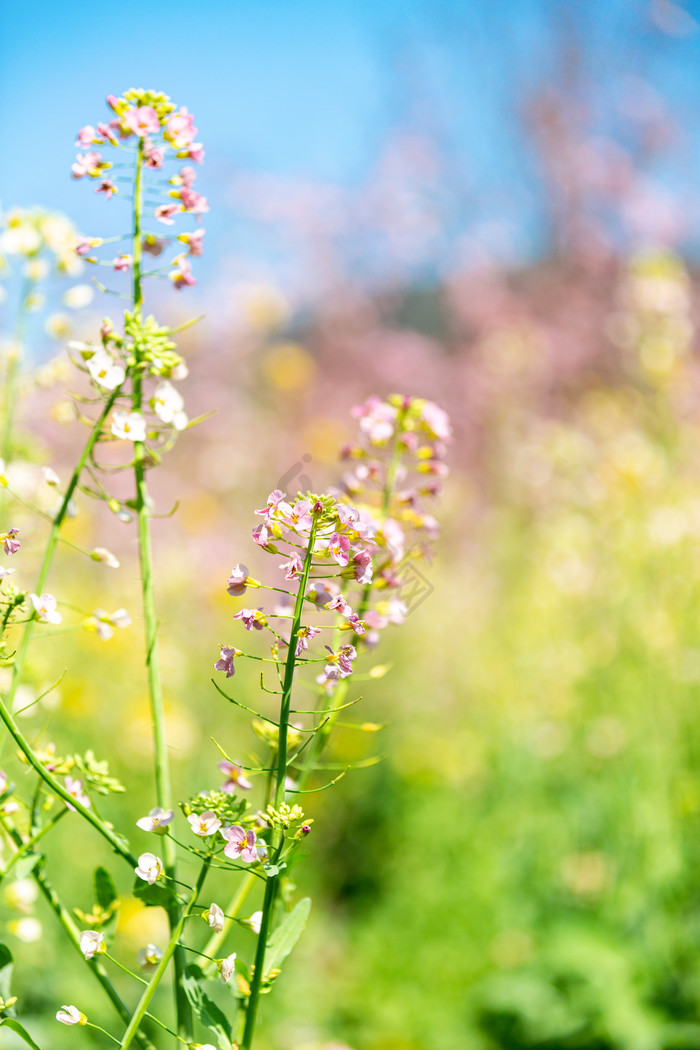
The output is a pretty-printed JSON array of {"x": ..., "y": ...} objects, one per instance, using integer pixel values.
[
  {"x": 193, "y": 241},
  {"x": 236, "y": 779},
  {"x": 362, "y": 567},
  {"x": 105, "y": 370},
  {"x": 27, "y": 929},
  {"x": 437, "y": 421},
  {"x": 195, "y": 152},
  {"x": 142, "y": 121},
  {"x": 107, "y": 187},
  {"x": 254, "y": 922},
  {"x": 122, "y": 263},
  {"x": 298, "y": 517},
  {"x": 215, "y": 918},
  {"x": 377, "y": 419},
  {"x": 304, "y": 636},
  {"x": 50, "y": 476},
  {"x": 75, "y": 790},
  {"x": 92, "y": 943},
  {"x": 71, "y": 1015},
  {"x": 105, "y": 556},
  {"x": 339, "y": 663},
  {"x": 237, "y": 581},
  {"x": 149, "y": 868},
  {"x": 157, "y": 820},
  {"x": 292, "y": 567},
  {"x": 85, "y": 136},
  {"x": 251, "y": 619},
  {"x": 45, "y": 608},
  {"x": 5, "y": 572},
  {"x": 9, "y": 541},
  {"x": 164, "y": 213},
  {"x": 129, "y": 426},
  {"x": 168, "y": 405},
  {"x": 87, "y": 164},
  {"x": 152, "y": 245},
  {"x": 193, "y": 202},
  {"x": 225, "y": 661},
  {"x": 240, "y": 844},
  {"x": 204, "y": 824},
  {"x": 273, "y": 501},
  {"x": 149, "y": 957},
  {"x": 182, "y": 274},
  {"x": 154, "y": 157},
  {"x": 227, "y": 967},
  {"x": 338, "y": 548},
  {"x": 261, "y": 535},
  {"x": 339, "y": 604},
  {"x": 180, "y": 129}
]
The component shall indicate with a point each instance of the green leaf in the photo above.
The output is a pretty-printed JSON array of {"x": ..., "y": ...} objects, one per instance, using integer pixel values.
[
  {"x": 20, "y": 1030},
  {"x": 105, "y": 890},
  {"x": 5, "y": 971},
  {"x": 25, "y": 865},
  {"x": 155, "y": 896},
  {"x": 286, "y": 935},
  {"x": 207, "y": 1011}
]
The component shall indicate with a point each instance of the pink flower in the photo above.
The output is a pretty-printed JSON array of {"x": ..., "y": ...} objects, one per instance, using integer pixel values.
[
  {"x": 225, "y": 661},
  {"x": 362, "y": 566},
  {"x": 273, "y": 501},
  {"x": 85, "y": 136},
  {"x": 10, "y": 544},
  {"x": 155, "y": 158},
  {"x": 122, "y": 263},
  {"x": 237, "y": 581},
  {"x": 193, "y": 241},
  {"x": 45, "y": 608},
  {"x": 182, "y": 274},
  {"x": 188, "y": 176},
  {"x": 107, "y": 187},
  {"x": 338, "y": 548},
  {"x": 437, "y": 421},
  {"x": 354, "y": 622},
  {"x": 235, "y": 777},
  {"x": 339, "y": 664},
  {"x": 180, "y": 129},
  {"x": 377, "y": 419},
  {"x": 105, "y": 132},
  {"x": 262, "y": 535},
  {"x": 293, "y": 567},
  {"x": 394, "y": 538},
  {"x": 164, "y": 213},
  {"x": 204, "y": 824},
  {"x": 195, "y": 152},
  {"x": 75, "y": 790},
  {"x": 142, "y": 121},
  {"x": 339, "y": 604},
  {"x": 252, "y": 620},
  {"x": 298, "y": 517},
  {"x": 87, "y": 164},
  {"x": 240, "y": 844},
  {"x": 304, "y": 636},
  {"x": 193, "y": 202}
]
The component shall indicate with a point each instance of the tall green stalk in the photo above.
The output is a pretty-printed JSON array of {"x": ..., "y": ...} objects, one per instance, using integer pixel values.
[
  {"x": 278, "y": 837},
  {"x": 155, "y": 690}
]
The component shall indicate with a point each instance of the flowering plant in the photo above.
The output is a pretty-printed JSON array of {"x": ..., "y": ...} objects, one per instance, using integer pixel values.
[{"x": 341, "y": 558}]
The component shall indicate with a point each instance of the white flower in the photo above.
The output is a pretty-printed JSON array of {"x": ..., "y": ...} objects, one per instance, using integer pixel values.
[
  {"x": 78, "y": 296},
  {"x": 215, "y": 918},
  {"x": 150, "y": 868},
  {"x": 91, "y": 943},
  {"x": 254, "y": 922},
  {"x": 104, "y": 623},
  {"x": 130, "y": 426},
  {"x": 204, "y": 824},
  {"x": 50, "y": 476},
  {"x": 149, "y": 957},
  {"x": 71, "y": 1015},
  {"x": 105, "y": 556},
  {"x": 227, "y": 968},
  {"x": 168, "y": 405},
  {"x": 28, "y": 930},
  {"x": 105, "y": 370},
  {"x": 5, "y": 572},
  {"x": 45, "y": 608},
  {"x": 156, "y": 820}
]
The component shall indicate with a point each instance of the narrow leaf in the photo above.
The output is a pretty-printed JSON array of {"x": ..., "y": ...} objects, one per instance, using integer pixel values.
[
  {"x": 20, "y": 1030},
  {"x": 286, "y": 935},
  {"x": 207, "y": 1011}
]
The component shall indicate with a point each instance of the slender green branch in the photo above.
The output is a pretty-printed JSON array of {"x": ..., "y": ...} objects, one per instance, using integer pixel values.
[
  {"x": 29, "y": 844},
  {"x": 149, "y": 992}
]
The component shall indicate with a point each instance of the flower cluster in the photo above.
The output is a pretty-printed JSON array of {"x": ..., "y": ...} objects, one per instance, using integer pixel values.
[{"x": 147, "y": 125}]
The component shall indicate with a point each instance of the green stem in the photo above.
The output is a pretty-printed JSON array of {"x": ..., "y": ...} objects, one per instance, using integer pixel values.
[
  {"x": 30, "y": 843},
  {"x": 278, "y": 838},
  {"x": 155, "y": 691},
  {"x": 149, "y": 992}
]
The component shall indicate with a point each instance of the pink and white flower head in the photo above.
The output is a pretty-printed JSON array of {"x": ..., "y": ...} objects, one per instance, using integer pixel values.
[
  {"x": 362, "y": 567},
  {"x": 10, "y": 542},
  {"x": 45, "y": 608},
  {"x": 107, "y": 187},
  {"x": 156, "y": 821},
  {"x": 340, "y": 605},
  {"x": 122, "y": 263},
  {"x": 204, "y": 824},
  {"x": 273, "y": 501},
  {"x": 164, "y": 213},
  {"x": 149, "y": 868},
  {"x": 85, "y": 136},
  {"x": 240, "y": 844},
  {"x": 293, "y": 567},
  {"x": 168, "y": 404},
  {"x": 394, "y": 538},
  {"x": 193, "y": 202},
  {"x": 235, "y": 777},
  {"x": 105, "y": 371},
  {"x": 154, "y": 157},
  {"x": 71, "y": 1015},
  {"x": 252, "y": 619},
  {"x": 304, "y": 636},
  {"x": 299, "y": 517},
  {"x": 180, "y": 129},
  {"x": 227, "y": 968},
  {"x": 377, "y": 420},
  {"x": 339, "y": 548},
  {"x": 437, "y": 421},
  {"x": 90, "y": 163},
  {"x": 262, "y": 535},
  {"x": 225, "y": 661},
  {"x": 75, "y": 790},
  {"x": 181, "y": 276},
  {"x": 215, "y": 918},
  {"x": 129, "y": 426},
  {"x": 193, "y": 241},
  {"x": 92, "y": 943},
  {"x": 142, "y": 121},
  {"x": 238, "y": 580}
]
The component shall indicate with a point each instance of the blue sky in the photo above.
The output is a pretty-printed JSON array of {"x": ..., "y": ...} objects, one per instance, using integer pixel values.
[{"x": 312, "y": 88}]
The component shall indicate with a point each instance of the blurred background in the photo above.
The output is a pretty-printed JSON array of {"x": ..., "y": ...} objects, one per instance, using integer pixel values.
[{"x": 493, "y": 205}]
